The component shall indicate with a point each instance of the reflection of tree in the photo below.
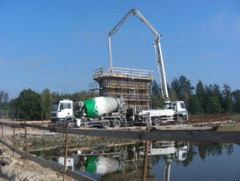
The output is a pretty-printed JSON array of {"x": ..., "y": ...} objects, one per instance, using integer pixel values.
[
  {"x": 230, "y": 149},
  {"x": 202, "y": 150},
  {"x": 155, "y": 159},
  {"x": 213, "y": 149},
  {"x": 190, "y": 155}
]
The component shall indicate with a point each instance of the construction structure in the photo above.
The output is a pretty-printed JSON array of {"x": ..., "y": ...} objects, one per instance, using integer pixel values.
[{"x": 132, "y": 84}]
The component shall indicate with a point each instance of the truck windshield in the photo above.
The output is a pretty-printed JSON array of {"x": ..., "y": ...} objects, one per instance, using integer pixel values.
[
  {"x": 183, "y": 105},
  {"x": 54, "y": 107},
  {"x": 65, "y": 106}
]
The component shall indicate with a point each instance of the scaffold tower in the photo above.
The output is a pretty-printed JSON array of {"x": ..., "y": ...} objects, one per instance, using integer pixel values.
[{"x": 132, "y": 84}]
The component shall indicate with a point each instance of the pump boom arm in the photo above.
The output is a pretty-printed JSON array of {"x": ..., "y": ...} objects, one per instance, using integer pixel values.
[{"x": 157, "y": 48}]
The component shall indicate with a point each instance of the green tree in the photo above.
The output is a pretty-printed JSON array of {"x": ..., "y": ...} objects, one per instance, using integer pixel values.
[
  {"x": 42, "y": 105},
  {"x": 175, "y": 85},
  {"x": 48, "y": 103},
  {"x": 46, "y": 100},
  {"x": 1, "y": 98},
  {"x": 236, "y": 97},
  {"x": 155, "y": 88},
  {"x": 181, "y": 86},
  {"x": 82, "y": 96},
  {"x": 213, "y": 106},
  {"x": 207, "y": 95},
  {"x": 227, "y": 98},
  {"x": 186, "y": 99},
  {"x": 200, "y": 92},
  {"x": 173, "y": 95},
  {"x": 157, "y": 101},
  {"x": 216, "y": 91},
  {"x": 195, "y": 105},
  {"x": 29, "y": 105},
  {"x": 56, "y": 96},
  {"x": 13, "y": 108}
]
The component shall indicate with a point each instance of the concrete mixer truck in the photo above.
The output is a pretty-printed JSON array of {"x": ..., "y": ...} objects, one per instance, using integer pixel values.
[
  {"x": 108, "y": 111},
  {"x": 99, "y": 111}
]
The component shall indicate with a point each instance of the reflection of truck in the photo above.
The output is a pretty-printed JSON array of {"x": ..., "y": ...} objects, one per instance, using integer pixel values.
[
  {"x": 60, "y": 160},
  {"x": 170, "y": 148},
  {"x": 130, "y": 157}
]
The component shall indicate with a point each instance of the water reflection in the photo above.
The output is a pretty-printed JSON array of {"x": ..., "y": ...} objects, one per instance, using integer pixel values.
[
  {"x": 119, "y": 161},
  {"x": 125, "y": 161}
]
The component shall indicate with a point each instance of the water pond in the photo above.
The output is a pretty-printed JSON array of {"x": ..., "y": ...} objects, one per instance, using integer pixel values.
[{"x": 163, "y": 160}]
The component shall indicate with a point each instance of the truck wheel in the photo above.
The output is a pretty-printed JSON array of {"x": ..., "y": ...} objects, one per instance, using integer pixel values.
[
  {"x": 116, "y": 123},
  {"x": 70, "y": 123},
  {"x": 157, "y": 121},
  {"x": 117, "y": 148},
  {"x": 180, "y": 120},
  {"x": 105, "y": 124},
  {"x": 86, "y": 124},
  {"x": 106, "y": 148}
]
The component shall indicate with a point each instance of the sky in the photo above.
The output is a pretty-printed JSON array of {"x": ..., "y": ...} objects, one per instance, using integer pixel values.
[{"x": 58, "y": 44}]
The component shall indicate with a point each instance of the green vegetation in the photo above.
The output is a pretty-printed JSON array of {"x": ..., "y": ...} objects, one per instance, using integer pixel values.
[
  {"x": 206, "y": 100},
  {"x": 31, "y": 105}
]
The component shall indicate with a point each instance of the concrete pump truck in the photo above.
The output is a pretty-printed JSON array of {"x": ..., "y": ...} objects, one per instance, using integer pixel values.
[
  {"x": 109, "y": 111},
  {"x": 172, "y": 110}
]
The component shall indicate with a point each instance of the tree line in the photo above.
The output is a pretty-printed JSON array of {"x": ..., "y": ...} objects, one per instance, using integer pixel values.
[
  {"x": 204, "y": 100},
  {"x": 31, "y": 105}
]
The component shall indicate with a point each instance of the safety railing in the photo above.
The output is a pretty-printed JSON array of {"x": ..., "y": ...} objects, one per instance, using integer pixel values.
[{"x": 122, "y": 72}]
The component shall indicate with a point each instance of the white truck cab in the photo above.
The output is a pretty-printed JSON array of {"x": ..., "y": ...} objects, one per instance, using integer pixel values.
[
  {"x": 180, "y": 111},
  {"x": 61, "y": 109}
]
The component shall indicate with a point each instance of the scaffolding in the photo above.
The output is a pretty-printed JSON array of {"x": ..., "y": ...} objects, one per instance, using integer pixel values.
[{"x": 132, "y": 84}]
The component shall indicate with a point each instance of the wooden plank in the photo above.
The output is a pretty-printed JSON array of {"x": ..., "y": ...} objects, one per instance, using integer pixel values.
[
  {"x": 78, "y": 176},
  {"x": 165, "y": 135}
]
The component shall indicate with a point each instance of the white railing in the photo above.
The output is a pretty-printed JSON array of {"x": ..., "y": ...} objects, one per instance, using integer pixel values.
[{"x": 122, "y": 72}]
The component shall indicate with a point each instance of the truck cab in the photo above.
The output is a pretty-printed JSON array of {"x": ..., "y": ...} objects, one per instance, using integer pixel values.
[
  {"x": 180, "y": 111},
  {"x": 61, "y": 109}
]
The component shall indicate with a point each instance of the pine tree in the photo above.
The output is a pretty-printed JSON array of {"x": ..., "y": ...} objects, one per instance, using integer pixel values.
[
  {"x": 213, "y": 106},
  {"x": 155, "y": 88},
  {"x": 200, "y": 93},
  {"x": 227, "y": 98},
  {"x": 173, "y": 95},
  {"x": 181, "y": 86},
  {"x": 236, "y": 96},
  {"x": 195, "y": 105},
  {"x": 157, "y": 101}
]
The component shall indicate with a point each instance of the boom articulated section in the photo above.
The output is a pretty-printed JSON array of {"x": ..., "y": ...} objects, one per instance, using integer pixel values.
[{"x": 157, "y": 47}]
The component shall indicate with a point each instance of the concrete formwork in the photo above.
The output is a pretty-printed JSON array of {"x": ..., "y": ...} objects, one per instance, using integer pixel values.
[{"x": 132, "y": 84}]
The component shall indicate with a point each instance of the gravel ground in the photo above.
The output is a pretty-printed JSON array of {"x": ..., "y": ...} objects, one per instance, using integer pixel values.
[{"x": 19, "y": 169}]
